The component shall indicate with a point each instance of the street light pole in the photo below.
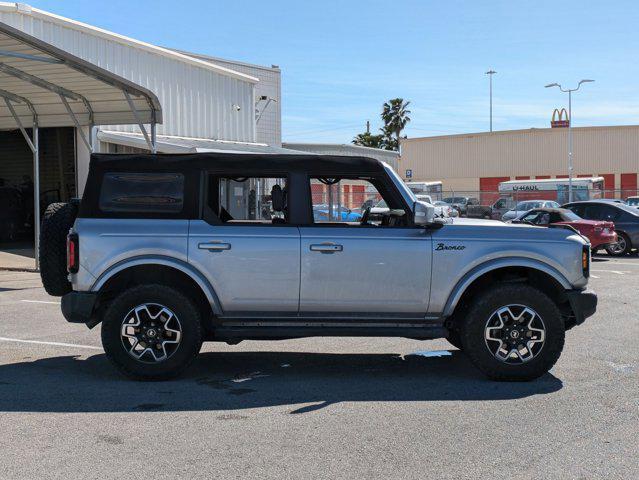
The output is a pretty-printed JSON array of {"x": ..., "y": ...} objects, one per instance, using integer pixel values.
[
  {"x": 569, "y": 91},
  {"x": 490, "y": 74}
]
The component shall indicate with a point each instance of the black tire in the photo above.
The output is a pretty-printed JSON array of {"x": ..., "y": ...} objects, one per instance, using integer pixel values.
[
  {"x": 482, "y": 310},
  {"x": 189, "y": 319},
  {"x": 625, "y": 241},
  {"x": 58, "y": 219},
  {"x": 454, "y": 339}
]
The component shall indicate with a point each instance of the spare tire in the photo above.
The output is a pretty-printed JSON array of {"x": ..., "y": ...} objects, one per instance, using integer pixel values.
[{"x": 58, "y": 219}]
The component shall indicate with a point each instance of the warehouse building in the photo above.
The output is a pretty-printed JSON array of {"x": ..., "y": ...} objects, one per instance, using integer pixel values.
[
  {"x": 478, "y": 162},
  {"x": 88, "y": 89}
]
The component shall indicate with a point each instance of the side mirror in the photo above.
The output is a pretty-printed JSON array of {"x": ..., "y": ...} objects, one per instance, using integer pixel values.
[{"x": 424, "y": 213}]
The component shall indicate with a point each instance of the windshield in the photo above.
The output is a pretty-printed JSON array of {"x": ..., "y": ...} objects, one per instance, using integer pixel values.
[
  {"x": 633, "y": 202},
  {"x": 455, "y": 200},
  {"x": 408, "y": 195},
  {"x": 570, "y": 216},
  {"x": 381, "y": 204},
  {"x": 525, "y": 206}
]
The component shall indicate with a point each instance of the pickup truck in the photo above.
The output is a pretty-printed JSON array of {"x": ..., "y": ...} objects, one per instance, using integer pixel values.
[
  {"x": 160, "y": 254},
  {"x": 494, "y": 211}
]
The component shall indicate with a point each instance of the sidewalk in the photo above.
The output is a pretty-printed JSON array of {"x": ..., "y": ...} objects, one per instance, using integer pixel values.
[{"x": 17, "y": 259}]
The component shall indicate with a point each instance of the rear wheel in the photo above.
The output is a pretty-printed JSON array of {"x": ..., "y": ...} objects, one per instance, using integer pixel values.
[
  {"x": 152, "y": 332},
  {"x": 513, "y": 333},
  {"x": 622, "y": 247}
]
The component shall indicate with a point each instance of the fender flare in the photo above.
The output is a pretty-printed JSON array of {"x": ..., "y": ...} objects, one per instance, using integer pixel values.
[
  {"x": 479, "y": 270},
  {"x": 180, "y": 265}
]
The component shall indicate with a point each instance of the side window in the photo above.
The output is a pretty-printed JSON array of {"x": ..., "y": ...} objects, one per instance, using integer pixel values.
[
  {"x": 609, "y": 213},
  {"x": 152, "y": 192},
  {"x": 261, "y": 200},
  {"x": 555, "y": 217},
  {"x": 531, "y": 217},
  {"x": 578, "y": 210},
  {"x": 353, "y": 201},
  {"x": 592, "y": 212}
]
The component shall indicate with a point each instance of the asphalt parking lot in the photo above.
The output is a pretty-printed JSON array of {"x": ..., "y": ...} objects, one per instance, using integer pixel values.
[{"x": 318, "y": 408}]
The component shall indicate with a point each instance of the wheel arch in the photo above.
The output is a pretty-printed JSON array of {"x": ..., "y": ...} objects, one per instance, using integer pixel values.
[
  {"x": 540, "y": 274},
  {"x": 156, "y": 269}
]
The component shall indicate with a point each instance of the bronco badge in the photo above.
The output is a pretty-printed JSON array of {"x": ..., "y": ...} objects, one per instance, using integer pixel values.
[{"x": 441, "y": 246}]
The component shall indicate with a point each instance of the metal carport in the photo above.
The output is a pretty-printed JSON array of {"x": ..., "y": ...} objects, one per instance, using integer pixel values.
[{"x": 43, "y": 86}]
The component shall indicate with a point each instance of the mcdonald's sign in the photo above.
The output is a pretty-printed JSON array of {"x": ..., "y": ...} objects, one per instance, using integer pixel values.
[{"x": 558, "y": 120}]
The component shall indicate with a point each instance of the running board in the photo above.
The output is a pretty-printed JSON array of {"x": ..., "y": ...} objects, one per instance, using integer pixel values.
[{"x": 286, "y": 330}]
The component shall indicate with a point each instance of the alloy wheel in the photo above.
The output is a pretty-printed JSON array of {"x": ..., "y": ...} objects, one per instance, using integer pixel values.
[
  {"x": 151, "y": 333},
  {"x": 514, "y": 334}
]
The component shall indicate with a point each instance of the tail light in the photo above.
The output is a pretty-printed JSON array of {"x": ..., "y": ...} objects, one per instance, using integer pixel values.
[
  {"x": 585, "y": 260},
  {"x": 73, "y": 253}
]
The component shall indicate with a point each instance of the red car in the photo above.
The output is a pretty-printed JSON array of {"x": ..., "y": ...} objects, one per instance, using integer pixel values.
[{"x": 599, "y": 232}]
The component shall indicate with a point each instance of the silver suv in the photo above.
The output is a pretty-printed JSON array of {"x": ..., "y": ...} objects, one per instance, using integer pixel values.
[{"x": 168, "y": 251}]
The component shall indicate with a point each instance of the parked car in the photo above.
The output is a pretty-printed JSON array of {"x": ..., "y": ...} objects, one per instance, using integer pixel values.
[
  {"x": 600, "y": 233},
  {"x": 523, "y": 207},
  {"x": 446, "y": 209},
  {"x": 461, "y": 203},
  {"x": 154, "y": 256},
  {"x": 626, "y": 221},
  {"x": 343, "y": 214},
  {"x": 494, "y": 211},
  {"x": 633, "y": 201}
]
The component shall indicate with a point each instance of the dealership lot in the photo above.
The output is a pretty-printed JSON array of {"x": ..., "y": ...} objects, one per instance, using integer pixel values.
[{"x": 318, "y": 408}]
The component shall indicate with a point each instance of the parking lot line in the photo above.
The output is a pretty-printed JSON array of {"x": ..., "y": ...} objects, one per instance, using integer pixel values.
[
  {"x": 40, "y": 301},
  {"x": 55, "y": 344},
  {"x": 618, "y": 272}
]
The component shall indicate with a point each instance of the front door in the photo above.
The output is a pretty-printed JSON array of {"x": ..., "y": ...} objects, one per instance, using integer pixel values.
[{"x": 359, "y": 265}]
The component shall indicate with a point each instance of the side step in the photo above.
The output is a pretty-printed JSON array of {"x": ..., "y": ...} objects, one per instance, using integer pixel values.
[{"x": 234, "y": 333}]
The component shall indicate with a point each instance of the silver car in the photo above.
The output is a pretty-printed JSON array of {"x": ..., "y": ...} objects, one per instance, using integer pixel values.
[
  {"x": 168, "y": 252},
  {"x": 523, "y": 207}
]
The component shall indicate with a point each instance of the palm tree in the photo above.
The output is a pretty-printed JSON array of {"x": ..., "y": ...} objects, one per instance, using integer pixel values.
[{"x": 395, "y": 117}]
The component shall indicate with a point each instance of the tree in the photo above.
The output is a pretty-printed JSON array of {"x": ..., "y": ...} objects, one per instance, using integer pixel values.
[
  {"x": 367, "y": 139},
  {"x": 395, "y": 116}
]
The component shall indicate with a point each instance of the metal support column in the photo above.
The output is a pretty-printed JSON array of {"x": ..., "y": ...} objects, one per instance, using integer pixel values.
[{"x": 34, "y": 146}]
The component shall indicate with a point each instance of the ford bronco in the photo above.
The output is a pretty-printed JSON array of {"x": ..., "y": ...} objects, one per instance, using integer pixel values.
[{"x": 168, "y": 251}]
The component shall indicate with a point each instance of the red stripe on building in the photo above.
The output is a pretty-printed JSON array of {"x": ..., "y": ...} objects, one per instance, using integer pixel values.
[
  {"x": 489, "y": 187},
  {"x": 609, "y": 184},
  {"x": 628, "y": 184},
  {"x": 542, "y": 177},
  {"x": 522, "y": 177}
]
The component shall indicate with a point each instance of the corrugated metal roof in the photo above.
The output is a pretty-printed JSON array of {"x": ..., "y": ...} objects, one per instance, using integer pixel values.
[
  {"x": 90, "y": 29},
  {"x": 34, "y": 74},
  {"x": 173, "y": 144}
]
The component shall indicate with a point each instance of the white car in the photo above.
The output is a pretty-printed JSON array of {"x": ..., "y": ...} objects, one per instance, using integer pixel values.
[
  {"x": 447, "y": 209},
  {"x": 442, "y": 209}
]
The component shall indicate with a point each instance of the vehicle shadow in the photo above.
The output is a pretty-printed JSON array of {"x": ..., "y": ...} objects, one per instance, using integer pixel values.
[{"x": 240, "y": 380}]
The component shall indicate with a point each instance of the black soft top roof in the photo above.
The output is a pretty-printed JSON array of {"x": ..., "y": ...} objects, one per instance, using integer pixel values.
[{"x": 237, "y": 163}]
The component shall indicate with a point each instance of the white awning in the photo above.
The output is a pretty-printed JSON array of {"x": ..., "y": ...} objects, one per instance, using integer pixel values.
[
  {"x": 38, "y": 78},
  {"x": 172, "y": 144}
]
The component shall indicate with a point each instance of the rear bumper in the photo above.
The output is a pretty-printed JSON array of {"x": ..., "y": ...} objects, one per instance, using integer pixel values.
[
  {"x": 583, "y": 304},
  {"x": 78, "y": 307}
]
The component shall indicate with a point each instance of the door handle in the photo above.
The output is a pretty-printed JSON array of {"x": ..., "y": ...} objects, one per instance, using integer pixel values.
[
  {"x": 326, "y": 248},
  {"x": 214, "y": 246}
]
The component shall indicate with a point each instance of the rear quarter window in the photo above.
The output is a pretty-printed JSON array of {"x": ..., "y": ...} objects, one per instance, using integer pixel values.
[{"x": 152, "y": 192}]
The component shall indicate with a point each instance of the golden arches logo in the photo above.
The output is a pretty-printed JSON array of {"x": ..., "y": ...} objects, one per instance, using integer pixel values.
[{"x": 559, "y": 118}]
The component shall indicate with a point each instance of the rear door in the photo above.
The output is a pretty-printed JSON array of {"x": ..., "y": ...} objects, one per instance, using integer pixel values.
[
  {"x": 376, "y": 267},
  {"x": 245, "y": 246}
]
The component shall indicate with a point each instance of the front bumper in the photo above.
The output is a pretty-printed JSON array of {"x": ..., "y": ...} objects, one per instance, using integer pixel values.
[
  {"x": 78, "y": 307},
  {"x": 583, "y": 304}
]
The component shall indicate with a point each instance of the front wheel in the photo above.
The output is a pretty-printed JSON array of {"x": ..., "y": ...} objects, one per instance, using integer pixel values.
[
  {"x": 622, "y": 247},
  {"x": 151, "y": 332},
  {"x": 513, "y": 333}
]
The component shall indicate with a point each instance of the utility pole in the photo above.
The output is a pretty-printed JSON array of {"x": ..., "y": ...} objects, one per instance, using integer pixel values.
[
  {"x": 368, "y": 126},
  {"x": 569, "y": 91},
  {"x": 490, "y": 74}
]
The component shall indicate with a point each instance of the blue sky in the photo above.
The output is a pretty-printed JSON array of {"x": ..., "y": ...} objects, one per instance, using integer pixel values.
[{"x": 341, "y": 60}]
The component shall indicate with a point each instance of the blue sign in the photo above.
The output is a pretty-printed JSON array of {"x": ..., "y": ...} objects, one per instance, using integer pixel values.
[{"x": 409, "y": 173}]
